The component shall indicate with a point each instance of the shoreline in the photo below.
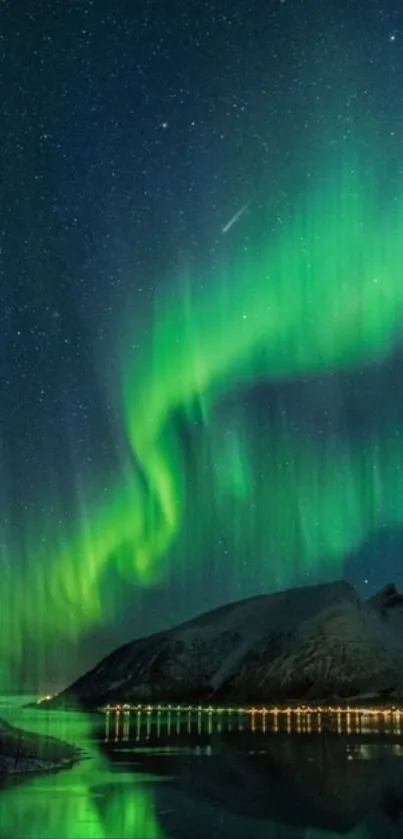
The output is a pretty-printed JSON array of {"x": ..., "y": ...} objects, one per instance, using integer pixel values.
[
  {"x": 25, "y": 754},
  {"x": 326, "y": 710},
  {"x": 366, "y": 707}
]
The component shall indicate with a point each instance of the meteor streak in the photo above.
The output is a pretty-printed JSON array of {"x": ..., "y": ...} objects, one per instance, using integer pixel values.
[{"x": 235, "y": 218}]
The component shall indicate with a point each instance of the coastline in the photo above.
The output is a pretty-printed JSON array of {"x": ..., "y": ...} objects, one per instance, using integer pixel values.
[{"x": 24, "y": 753}]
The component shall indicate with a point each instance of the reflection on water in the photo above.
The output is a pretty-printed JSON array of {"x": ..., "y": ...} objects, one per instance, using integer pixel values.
[
  {"x": 181, "y": 775},
  {"x": 124, "y": 723}
]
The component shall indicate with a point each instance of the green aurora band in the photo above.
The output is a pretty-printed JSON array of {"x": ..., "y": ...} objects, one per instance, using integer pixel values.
[
  {"x": 323, "y": 295},
  {"x": 326, "y": 295}
]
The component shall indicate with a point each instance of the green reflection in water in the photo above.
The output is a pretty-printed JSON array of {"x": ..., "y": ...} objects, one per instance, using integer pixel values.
[{"x": 85, "y": 802}]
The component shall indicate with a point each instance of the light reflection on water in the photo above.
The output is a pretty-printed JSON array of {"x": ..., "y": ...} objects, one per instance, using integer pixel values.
[
  {"x": 221, "y": 775},
  {"x": 142, "y": 724}
]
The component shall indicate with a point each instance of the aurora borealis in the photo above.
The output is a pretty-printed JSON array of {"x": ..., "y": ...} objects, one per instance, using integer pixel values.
[
  {"x": 257, "y": 323},
  {"x": 201, "y": 316},
  {"x": 201, "y": 343}
]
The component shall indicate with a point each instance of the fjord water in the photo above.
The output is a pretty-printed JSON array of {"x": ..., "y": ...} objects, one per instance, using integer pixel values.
[{"x": 178, "y": 775}]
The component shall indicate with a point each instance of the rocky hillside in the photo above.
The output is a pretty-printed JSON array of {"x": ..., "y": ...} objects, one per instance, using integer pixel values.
[{"x": 320, "y": 642}]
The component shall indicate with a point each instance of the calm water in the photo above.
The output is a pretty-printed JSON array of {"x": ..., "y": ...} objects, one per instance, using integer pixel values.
[{"x": 218, "y": 776}]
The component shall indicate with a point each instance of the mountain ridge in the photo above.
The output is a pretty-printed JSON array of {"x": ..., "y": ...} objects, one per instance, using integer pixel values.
[{"x": 314, "y": 642}]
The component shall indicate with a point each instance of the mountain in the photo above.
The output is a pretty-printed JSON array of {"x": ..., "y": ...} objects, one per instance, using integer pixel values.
[{"x": 319, "y": 643}]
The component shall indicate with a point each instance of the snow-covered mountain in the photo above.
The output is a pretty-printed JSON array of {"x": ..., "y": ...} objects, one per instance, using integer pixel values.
[{"x": 319, "y": 642}]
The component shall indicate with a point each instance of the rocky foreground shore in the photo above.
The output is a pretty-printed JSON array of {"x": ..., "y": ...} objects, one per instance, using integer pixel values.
[{"x": 22, "y": 752}]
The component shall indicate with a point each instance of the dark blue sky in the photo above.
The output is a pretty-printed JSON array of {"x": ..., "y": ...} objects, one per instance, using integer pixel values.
[{"x": 130, "y": 133}]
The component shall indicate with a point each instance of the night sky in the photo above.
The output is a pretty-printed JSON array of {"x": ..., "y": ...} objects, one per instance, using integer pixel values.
[{"x": 131, "y": 136}]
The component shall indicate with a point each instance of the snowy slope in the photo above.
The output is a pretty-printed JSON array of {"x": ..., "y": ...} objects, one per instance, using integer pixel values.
[
  {"x": 318, "y": 641},
  {"x": 344, "y": 651}
]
